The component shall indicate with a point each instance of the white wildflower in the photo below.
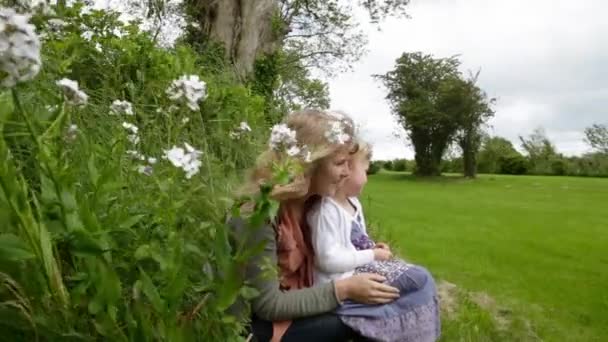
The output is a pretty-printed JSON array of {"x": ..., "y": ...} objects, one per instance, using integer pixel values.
[
  {"x": 187, "y": 159},
  {"x": 185, "y": 120},
  {"x": 72, "y": 93},
  {"x": 121, "y": 107},
  {"x": 72, "y": 132},
  {"x": 189, "y": 90},
  {"x": 293, "y": 151},
  {"x": 145, "y": 169},
  {"x": 135, "y": 154},
  {"x": 19, "y": 48},
  {"x": 56, "y": 24},
  {"x": 117, "y": 32},
  {"x": 87, "y": 35},
  {"x": 336, "y": 134},
  {"x": 282, "y": 136},
  {"x": 98, "y": 47},
  {"x": 133, "y": 138},
  {"x": 234, "y": 135},
  {"x": 130, "y": 127},
  {"x": 152, "y": 160},
  {"x": 244, "y": 127}
]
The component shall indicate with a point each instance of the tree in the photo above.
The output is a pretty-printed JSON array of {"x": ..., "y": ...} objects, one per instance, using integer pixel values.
[
  {"x": 541, "y": 151},
  {"x": 473, "y": 109},
  {"x": 323, "y": 32},
  {"x": 491, "y": 152},
  {"x": 421, "y": 92},
  {"x": 597, "y": 137}
]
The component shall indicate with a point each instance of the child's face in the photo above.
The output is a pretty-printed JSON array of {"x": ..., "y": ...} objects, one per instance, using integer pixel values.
[{"x": 358, "y": 177}]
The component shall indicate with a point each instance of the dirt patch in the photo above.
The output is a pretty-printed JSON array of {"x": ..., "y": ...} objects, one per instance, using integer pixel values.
[{"x": 448, "y": 298}]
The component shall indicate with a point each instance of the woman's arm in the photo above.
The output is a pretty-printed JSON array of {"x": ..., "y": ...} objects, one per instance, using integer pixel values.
[{"x": 273, "y": 304}]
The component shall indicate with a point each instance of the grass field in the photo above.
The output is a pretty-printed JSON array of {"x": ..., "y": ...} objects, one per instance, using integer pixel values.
[{"x": 536, "y": 245}]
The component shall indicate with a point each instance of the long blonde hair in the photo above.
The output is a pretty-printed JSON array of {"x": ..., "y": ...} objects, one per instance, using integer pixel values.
[{"x": 311, "y": 127}]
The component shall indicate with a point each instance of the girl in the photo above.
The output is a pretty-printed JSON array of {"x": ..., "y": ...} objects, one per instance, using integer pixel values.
[
  {"x": 343, "y": 248},
  {"x": 288, "y": 308}
]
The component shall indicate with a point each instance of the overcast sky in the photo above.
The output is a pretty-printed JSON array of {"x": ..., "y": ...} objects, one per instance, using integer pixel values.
[{"x": 545, "y": 61}]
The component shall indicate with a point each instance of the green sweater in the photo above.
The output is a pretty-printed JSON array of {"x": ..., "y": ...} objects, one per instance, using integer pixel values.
[{"x": 273, "y": 304}]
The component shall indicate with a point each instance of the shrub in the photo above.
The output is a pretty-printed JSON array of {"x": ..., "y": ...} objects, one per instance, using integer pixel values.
[{"x": 113, "y": 215}]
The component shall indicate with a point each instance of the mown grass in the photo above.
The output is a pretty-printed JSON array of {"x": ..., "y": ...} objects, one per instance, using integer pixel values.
[{"x": 537, "y": 245}]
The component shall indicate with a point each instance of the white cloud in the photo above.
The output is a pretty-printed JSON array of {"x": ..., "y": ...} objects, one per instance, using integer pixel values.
[{"x": 544, "y": 61}]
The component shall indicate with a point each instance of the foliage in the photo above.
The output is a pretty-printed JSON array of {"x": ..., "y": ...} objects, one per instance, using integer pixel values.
[
  {"x": 492, "y": 149},
  {"x": 421, "y": 94},
  {"x": 540, "y": 152},
  {"x": 597, "y": 137},
  {"x": 374, "y": 167},
  {"x": 102, "y": 237}
]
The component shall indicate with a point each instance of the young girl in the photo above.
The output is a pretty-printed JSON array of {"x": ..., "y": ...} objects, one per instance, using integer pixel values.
[{"x": 343, "y": 248}]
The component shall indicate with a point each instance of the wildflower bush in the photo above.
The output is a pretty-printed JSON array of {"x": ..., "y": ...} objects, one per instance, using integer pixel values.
[{"x": 118, "y": 160}]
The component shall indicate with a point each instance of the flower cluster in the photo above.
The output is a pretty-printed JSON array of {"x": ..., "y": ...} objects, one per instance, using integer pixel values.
[
  {"x": 283, "y": 139},
  {"x": 188, "y": 159},
  {"x": 121, "y": 107},
  {"x": 72, "y": 92},
  {"x": 240, "y": 131},
  {"x": 189, "y": 90},
  {"x": 133, "y": 132},
  {"x": 336, "y": 135},
  {"x": 19, "y": 48},
  {"x": 145, "y": 169}
]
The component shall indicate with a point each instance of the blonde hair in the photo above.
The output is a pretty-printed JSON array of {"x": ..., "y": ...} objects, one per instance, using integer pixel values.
[
  {"x": 310, "y": 127},
  {"x": 363, "y": 153}
]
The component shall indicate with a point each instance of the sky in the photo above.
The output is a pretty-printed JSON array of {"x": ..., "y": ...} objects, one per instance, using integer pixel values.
[{"x": 546, "y": 62}]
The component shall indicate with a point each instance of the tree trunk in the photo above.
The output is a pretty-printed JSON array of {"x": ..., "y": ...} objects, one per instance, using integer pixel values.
[
  {"x": 243, "y": 27},
  {"x": 427, "y": 164},
  {"x": 469, "y": 143}
]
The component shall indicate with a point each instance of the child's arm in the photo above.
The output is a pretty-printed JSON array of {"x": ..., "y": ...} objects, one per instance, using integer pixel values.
[{"x": 331, "y": 241}]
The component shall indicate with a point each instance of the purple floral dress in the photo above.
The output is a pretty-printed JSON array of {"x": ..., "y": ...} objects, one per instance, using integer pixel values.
[{"x": 414, "y": 317}]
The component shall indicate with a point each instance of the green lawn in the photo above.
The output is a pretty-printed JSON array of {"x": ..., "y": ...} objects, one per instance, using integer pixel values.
[{"x": 536, "y": 244}]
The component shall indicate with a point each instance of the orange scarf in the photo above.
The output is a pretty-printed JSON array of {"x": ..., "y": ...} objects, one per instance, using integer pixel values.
[{"x": 294, "y": 255}]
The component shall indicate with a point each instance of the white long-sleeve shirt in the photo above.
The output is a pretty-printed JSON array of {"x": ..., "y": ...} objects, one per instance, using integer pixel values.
[{"x": 335, "y": 255}]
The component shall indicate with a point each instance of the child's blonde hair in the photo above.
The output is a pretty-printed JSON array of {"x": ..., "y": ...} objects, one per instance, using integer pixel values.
[
  {"x": 311, "y": 127},
  {"x": 363, "y": 153}
]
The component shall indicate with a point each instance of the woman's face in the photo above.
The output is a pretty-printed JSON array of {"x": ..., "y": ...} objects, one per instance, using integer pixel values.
[{"x": 330, "y": 174}]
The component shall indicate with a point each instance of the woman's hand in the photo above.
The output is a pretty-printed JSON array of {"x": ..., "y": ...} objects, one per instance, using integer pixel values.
[{"x": 366, "y": 288}]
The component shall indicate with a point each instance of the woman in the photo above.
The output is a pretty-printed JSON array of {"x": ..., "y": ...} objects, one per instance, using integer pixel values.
[{"x": 298, "y": 311}]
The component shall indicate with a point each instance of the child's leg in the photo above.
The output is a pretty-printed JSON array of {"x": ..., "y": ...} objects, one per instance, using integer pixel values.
[{"x": 413, "y": 279}]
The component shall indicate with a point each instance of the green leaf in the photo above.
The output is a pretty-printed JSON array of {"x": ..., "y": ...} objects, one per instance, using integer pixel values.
[
  {"x": 93, "y": 172},
  {"x": 151, "y": 291},
  {"x": 13, "y": 249},
  {"x": 81, "y": 242},
  {"x": 131, "y": 221},
  {"x": 249, "y": 293}
]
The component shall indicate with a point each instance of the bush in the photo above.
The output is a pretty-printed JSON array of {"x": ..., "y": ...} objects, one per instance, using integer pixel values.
[
  {"x": 374, "y": 167},
  {"x": 388, "y": 165},
  {"x": 400, "y": 165},
  {"x": 102, "y": 238},
  {"x": 513, "y": 165}
]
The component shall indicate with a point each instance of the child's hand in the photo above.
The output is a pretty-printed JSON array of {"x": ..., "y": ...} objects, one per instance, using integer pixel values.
[
  {"x": 382, "y": 245},
  {"x": 382, "y": 254}
]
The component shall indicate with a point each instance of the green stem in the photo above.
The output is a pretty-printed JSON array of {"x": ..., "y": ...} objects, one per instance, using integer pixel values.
[{"x": 28, "y": 122}]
